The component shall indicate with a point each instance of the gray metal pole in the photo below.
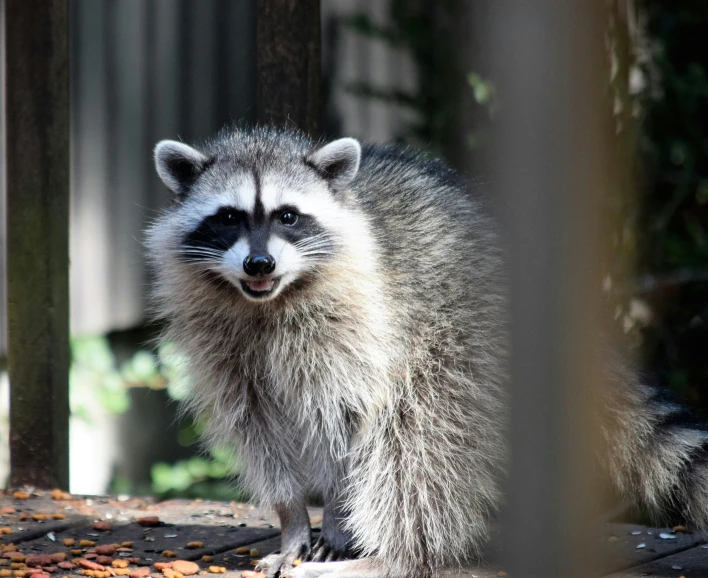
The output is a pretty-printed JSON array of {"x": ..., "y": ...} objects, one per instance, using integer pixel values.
[
  {"x": 550, "y": 172},
  {"x": 37, "y": 153}
]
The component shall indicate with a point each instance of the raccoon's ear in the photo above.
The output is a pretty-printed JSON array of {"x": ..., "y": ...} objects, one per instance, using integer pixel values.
[
  {"x": 338, "y": 161},
  {"x": 179, "y": 165}
]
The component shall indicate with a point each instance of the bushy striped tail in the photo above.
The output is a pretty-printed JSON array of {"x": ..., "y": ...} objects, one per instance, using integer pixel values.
[{"x": 657, "y": 450}]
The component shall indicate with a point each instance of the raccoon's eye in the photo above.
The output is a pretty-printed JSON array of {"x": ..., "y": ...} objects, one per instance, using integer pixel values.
[
  {"x": 228, "y": 217},
  {"x": 288, "y": 218}
]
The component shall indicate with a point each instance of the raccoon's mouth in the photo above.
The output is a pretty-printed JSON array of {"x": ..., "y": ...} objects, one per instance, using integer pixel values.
[{"x": 260, "y": 287}]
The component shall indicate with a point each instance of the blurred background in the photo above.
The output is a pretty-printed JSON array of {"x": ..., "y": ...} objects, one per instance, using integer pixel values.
[{"x": 410, "y": 71}]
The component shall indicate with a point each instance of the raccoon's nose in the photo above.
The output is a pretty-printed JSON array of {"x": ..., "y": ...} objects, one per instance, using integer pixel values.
[{"x": 255, "y": 265}]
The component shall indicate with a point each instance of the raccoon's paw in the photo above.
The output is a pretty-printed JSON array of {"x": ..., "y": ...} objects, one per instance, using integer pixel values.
[
  {"x": 364, "y": 568},
  {"x": 326, "y": 550},
  {"x": 279, "y": 563}
]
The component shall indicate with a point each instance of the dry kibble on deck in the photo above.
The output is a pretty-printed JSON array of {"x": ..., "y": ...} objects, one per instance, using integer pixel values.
[
  {"x": 162, "y": 565},
  {"x": 169, "y": 554},
  {"x": 66, "y": 565},
  {"x": 5, "y": 573},
  {"x": 148, "y": 521},
  {"x": 38, "y": 560},
  {"x": 252, "y": 574},
  {"x": 5, "y": 530},
  {"x": 207, "y": 558},
  {"x": 253, "y": 552},
  {"x": 170, "y": 573},
  {"x": 126, "y": 545},
  {"x": 122, "y": 571},
  {"x": 140, "y": 573},
  {"x": 104, "y": 560},
  {"x": 106, "y": 550},
  {"x": 243, "y": 550},
  {"x": 58, "y": 557},
  {"x": 58, "y": 516},
  {"x": 185, "y": 567},
  {"x": 195, "y": 545},
  {"x": 18, "y": 565},
  {"x": 119, "y": 563},
  {"x": 86, "y": 543},
  {"x": 21, "y": 495},
  {"x": 501, "y": 573},
  {"x": 102, "y": 526},
  {"x": 297, "y": 562},
  {"x": 217, "y": 569},
  {"x": 69, "y": 541}
]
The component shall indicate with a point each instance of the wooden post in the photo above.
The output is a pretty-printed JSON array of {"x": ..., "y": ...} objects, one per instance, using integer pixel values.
[
  {"x": 289, "y": 64},
  {"x": 551, "y": 172},
  {"x": 37, "y": 148}
]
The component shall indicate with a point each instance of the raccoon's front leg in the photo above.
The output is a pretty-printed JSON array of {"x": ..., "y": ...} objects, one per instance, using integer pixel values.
[
  {"x": 335, "y": 541},
  {"x": 295, "y": 539}
]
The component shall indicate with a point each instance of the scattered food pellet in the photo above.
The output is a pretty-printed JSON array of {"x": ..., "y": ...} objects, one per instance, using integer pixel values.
[
  {"x": 66, "y": 565},
  {"x": 104, "y": 560},
  {"x": 501, "y": 573},
  {"x": 207, "y": 558},
  {"x": 680, "y": 529},
  {"x": 254, "y": 553},
  {"x": 58, "y": 557},
  {"x": 162, "y": 565},
  {"x": 86, "y": 543},
  {"x": 126, "y": 544},
  {"x": 103, "y": 526},
  {"x": 255, "y": 563},
  {"x": 58, "y": 516},
  {"x": 106, "y": 549},
  {"x": 119, "y": 563},
  {"x": 6, "y": 510},
  {"x": 56, "y": 494},
  {"x": 21, "y": 495},
  {"x": 38, "y": 560},
  {"x": 297, "y": 562},
  {"x": 122, "y": 571},
  {"x": 195, "y": 545},
  {"x": 5, "y": 573},
  {"x": 170, "y": 573},
  {"x": 69, "y": 541},
  {"x": 252, "y": 574},
  {"x": 185, "y": 567},
  {"x": 217, "y": 569},
  {"x": 18, "y": 565},
  {"x": 148, "y": 521},
  {"x": 243, "y": 550},
  {"x": 169, "y": 554},
  {"x": 5, "y": 530}
]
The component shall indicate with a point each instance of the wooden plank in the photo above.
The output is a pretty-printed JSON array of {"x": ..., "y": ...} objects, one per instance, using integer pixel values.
[
  {"x": 691, "y": 563},
  {"x": 37, "y": 125},
  {"x": 288, "y": 63}
]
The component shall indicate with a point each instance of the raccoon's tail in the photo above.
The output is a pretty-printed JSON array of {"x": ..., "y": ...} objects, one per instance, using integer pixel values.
[{"x": 657, "y": 450}]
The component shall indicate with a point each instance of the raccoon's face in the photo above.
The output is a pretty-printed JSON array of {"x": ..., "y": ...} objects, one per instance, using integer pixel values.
[{"x": 259, "y": 226}]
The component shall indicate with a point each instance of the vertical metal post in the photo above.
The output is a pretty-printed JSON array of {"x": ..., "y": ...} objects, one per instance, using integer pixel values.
[
  {"x": 288, "y": 62},
  {"x": 550, "y": 172},
  {"x": 37, "y": 149}
]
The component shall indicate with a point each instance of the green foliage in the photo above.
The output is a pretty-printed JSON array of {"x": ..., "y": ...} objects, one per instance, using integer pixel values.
[{"x": 674, "y": 195}]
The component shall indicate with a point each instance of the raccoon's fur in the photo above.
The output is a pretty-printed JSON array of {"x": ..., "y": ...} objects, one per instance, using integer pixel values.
[{"x": 342, "y": 312}]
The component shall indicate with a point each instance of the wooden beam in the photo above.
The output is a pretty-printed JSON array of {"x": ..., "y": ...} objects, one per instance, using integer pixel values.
[
  {"x": 551, "y": 171},
  {"x": 37, "y": 148},
  {"x": 288, "y": 62}
]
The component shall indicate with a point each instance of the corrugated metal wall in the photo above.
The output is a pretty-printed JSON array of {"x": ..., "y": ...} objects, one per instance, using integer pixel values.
[{"x": 142, "y": 71}]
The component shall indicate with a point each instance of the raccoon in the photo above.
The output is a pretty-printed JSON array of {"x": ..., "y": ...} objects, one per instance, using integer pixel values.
[{"x": 342, "y": 311}]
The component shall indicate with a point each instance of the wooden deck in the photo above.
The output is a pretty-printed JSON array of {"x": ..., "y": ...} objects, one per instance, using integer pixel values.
[{"x": 40, "y": 524}]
